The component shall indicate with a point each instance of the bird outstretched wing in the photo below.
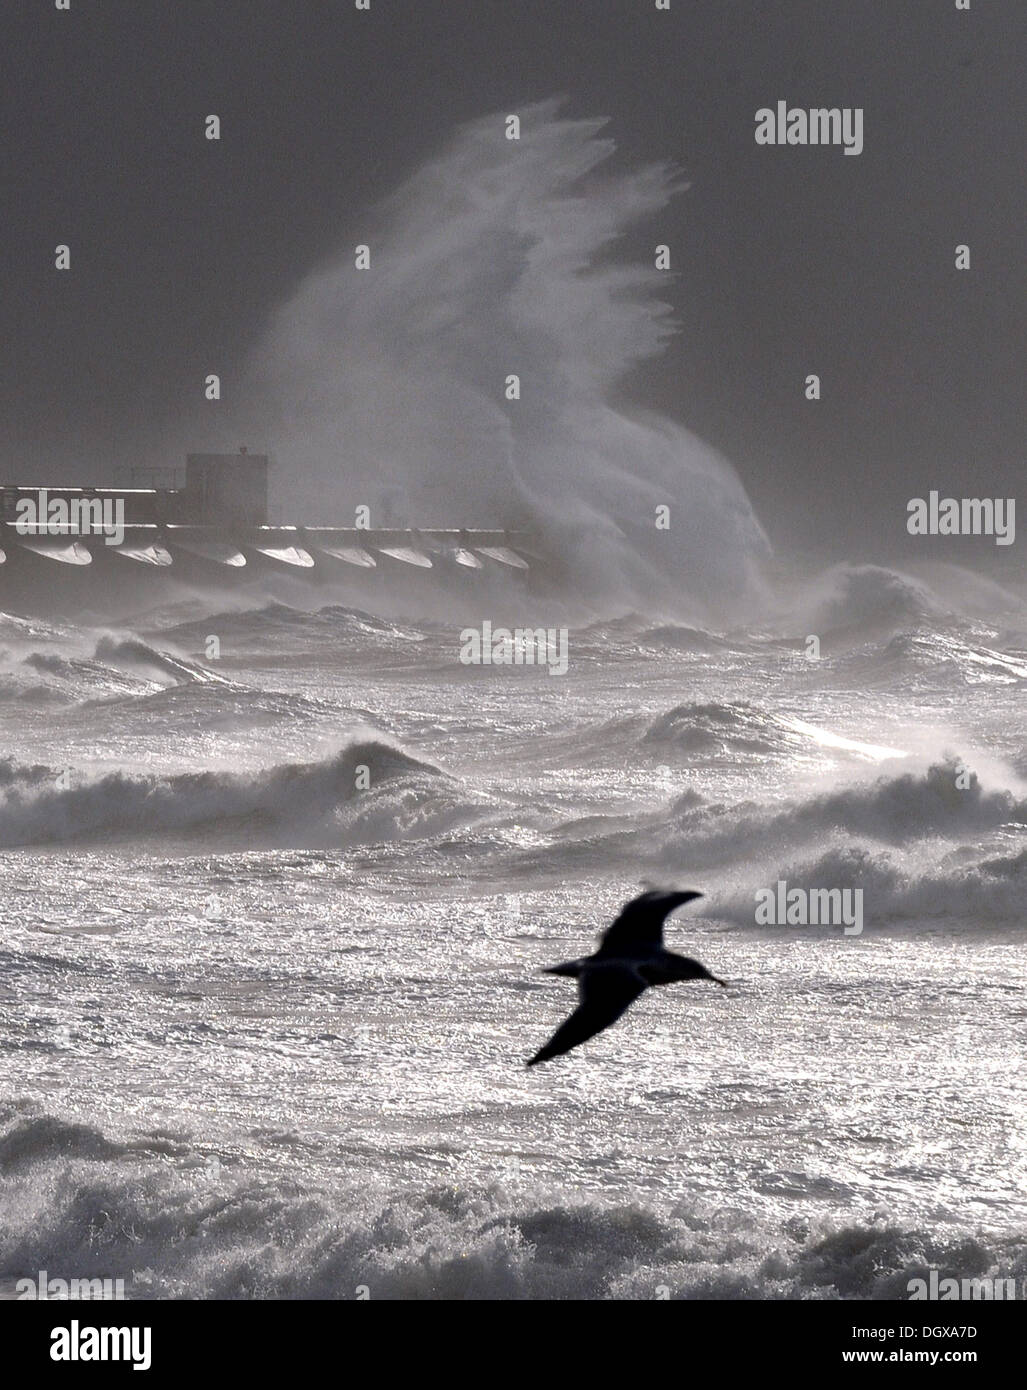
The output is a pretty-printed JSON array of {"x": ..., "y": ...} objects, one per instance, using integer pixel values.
[
  {"x": 605, "y": 992},
  {"x": 639, "y": 928}
]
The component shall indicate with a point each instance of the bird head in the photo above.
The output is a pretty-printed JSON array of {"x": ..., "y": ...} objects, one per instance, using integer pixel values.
[{"x": 695, "y": 970}]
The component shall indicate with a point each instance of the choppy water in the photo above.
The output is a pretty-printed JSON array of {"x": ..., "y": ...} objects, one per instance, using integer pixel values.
[{"x": 262, "y": 1027}]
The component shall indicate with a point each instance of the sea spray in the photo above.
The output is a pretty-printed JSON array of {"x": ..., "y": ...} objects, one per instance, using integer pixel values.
[{"x": 385, "y": 387}]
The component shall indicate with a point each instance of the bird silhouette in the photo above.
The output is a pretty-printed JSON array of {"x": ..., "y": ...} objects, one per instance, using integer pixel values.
[{"x": 631, "y": 957}]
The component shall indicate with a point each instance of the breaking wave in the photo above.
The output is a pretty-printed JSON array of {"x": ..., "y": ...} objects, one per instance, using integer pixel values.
[
  {"x": 495, "y": 259},
  {"x": 401, "y": 796},
  {"x": 135, "y": 654},
  {"x": 982, "y": 893},
  {"x": 869, "y": 598},
  {"x": 932, "y": 807},
  {"x": 910, "y": 806},
  {"x": 710, "y": 728},
  {"x": 157, "y": 1215}
]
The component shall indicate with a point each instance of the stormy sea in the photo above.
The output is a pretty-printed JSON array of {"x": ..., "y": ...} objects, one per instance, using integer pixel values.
[{"x": 270, "y": 954}]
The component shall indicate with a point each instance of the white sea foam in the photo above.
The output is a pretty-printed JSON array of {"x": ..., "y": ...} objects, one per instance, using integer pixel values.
[
  {"x": 287, "y": 802},
  {"x": 173, "y": 1228},
  {"x": 496, "y": 258}
]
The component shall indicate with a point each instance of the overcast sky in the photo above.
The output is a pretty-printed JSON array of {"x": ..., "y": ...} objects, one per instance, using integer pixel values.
[{"x": 790, "y": 261}]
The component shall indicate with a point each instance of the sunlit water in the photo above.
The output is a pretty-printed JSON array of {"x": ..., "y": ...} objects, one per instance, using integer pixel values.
[{"x": 264, "y": 1026}]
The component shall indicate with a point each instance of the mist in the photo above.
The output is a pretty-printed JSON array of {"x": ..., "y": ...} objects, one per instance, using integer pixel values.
[{"x": 386, "y": 387}]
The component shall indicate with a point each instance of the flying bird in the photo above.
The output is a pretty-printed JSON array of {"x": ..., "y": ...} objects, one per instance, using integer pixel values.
[{"x": 631, "y": 957}]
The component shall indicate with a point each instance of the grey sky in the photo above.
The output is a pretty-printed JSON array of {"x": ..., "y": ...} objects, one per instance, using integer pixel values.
[{"x": 789, "y": 260}]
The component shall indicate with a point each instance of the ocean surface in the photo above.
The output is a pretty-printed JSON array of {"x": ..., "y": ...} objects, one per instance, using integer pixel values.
[{"x": 272, "y": 927}]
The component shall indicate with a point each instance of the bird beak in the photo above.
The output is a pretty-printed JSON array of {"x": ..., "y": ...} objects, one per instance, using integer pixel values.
[{"x": 716, "y": 979}]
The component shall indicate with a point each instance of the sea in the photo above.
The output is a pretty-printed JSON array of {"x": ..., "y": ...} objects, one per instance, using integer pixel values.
[{"x": 275, "y": 908}]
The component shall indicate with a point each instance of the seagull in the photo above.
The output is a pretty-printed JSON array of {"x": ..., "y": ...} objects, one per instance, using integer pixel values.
[{"x": 631, "y": 957}]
